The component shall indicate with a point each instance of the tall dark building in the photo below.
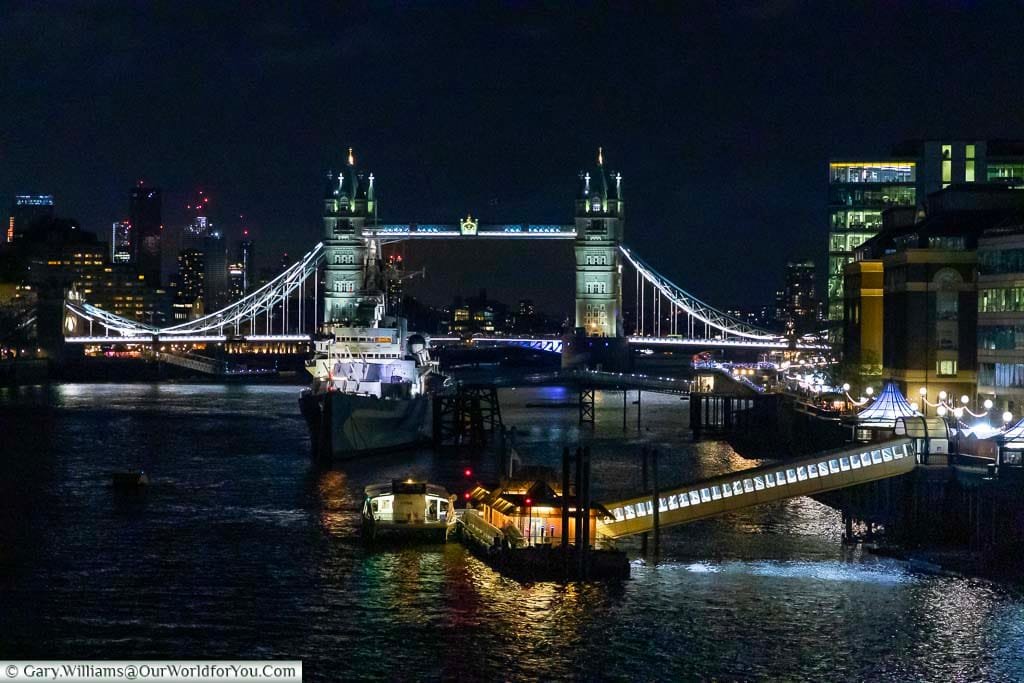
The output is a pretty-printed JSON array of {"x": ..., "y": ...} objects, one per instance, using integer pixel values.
[
  {"x": 188, "y": 286},
  {"x": 236, "y": 281},
  {"x": 145, "y": 213},
  {"x": 246, "y": 254},
  {"x": 215, "y": 272},
  {"x": 797, "y": 303},
  {"x": 394, "y": 275},
  {"x": 27, "y": 209}
]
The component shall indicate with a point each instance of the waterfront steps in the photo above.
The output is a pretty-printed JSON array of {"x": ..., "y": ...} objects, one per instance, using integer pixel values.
[{"x": 806, "y": 476}]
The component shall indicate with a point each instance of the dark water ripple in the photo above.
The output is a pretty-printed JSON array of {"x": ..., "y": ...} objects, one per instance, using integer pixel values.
[{"x": 241, "y": 550}]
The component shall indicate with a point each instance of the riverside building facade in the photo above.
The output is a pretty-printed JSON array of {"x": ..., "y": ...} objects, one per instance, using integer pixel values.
[
  {"x": 928, "y": 269},
  {"x": 1001, "y": 316},
  {"x": 861, "y": 189}
]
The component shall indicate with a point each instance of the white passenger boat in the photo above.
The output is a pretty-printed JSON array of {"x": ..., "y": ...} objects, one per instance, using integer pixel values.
[{"x": 408, "y": 507}]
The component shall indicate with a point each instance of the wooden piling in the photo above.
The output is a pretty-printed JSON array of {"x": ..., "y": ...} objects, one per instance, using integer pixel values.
[
  {"x": 584, "y": 549},
  {"x": 643, "y": 487},
  {"x": 565, "y": 511},
  {"x": 656, "y": 495},
  {"x": 624, "y": 392}
]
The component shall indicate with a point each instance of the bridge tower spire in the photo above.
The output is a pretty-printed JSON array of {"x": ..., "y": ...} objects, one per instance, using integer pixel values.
[
  {"x": 599, "y": 225},
  {"x": 348, "y": 203}
]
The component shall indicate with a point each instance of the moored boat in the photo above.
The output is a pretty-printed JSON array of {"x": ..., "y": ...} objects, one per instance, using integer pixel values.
[{"x": 406, "y": 506}]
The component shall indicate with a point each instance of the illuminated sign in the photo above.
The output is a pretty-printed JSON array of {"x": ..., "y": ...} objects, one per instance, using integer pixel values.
[{"x": 468, "y": 225}]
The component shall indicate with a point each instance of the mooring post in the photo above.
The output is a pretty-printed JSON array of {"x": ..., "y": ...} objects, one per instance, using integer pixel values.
[
  {"x": 585, "y": 546},
  {"x": 624, "y": 410},
  {"x": 643, "y": 487},
  {"x": 657, "y": 504},
  {"x": 579, "y": 498},
  {"x": 565, "y": 511}
]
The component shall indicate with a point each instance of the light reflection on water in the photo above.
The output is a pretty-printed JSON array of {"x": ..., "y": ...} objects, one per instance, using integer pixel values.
[{"x": 242, "y": 550}]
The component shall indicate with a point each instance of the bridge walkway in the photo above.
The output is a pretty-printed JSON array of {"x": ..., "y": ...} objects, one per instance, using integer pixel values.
[
  {"x": 718, "y": 495},
  {"x": 192, "y": 361},
  {"x": 598, "y": 379}
]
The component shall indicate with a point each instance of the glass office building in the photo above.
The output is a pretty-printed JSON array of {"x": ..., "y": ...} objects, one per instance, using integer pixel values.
[{"x": 859, "y": 191}]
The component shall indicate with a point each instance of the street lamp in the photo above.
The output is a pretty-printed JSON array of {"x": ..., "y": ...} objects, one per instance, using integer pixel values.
[
  {"x": 869, "y": 391},
  {"x": 943, "y": 395},
  {"x": 965, "y": 399},
  {"x": 1007, "y": 417},
  {"x": 941, "y": 411},
  {"x": 914, "y": 406}
]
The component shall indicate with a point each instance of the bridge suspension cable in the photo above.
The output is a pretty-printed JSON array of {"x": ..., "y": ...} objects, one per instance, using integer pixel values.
[
  {"x": 681, "y": 302},
  {"x": 275, "y": 293},
  {"x": 273, "y": 302}
]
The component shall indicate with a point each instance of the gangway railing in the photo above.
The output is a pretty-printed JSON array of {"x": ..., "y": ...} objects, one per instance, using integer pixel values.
[
  {"x": 478, "y": 528},
  {"x": 737, "y": 490},
  {"x": 191, "y": 362},
  {"x": 628, "y": 380}
]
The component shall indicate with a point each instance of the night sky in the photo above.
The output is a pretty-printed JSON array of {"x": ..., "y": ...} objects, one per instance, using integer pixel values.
[{"x": 720, "y": 116}]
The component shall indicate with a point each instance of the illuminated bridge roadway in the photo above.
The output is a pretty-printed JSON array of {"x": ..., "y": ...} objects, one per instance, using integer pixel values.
[{"x": 705, "y": 498}]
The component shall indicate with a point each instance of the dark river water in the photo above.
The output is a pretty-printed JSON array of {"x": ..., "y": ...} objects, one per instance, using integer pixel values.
[{"x": 242, "y": 550}]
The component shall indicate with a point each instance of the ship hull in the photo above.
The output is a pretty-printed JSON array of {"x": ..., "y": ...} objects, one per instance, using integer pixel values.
[{"x": 345, "y": 426}]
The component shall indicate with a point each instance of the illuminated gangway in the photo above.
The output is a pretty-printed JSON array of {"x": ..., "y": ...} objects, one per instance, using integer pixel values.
[{"x": 737, "y": 490}]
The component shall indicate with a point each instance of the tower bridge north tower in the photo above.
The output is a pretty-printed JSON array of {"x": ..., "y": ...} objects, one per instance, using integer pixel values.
[{"x": 599, "y": 226}]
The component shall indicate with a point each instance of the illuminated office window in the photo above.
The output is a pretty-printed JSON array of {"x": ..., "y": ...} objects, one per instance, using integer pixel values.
[
  {"x": 947, "y": 164},
  {"x": 969, "y": 169}
]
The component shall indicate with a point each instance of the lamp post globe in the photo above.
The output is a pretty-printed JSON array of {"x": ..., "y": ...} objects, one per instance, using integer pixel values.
[
  {"x": 869, "y": 391},
  {"x": 1007, "y": 417},
  {"x": 987, "y": 404},
  {"x": 941, "y": 411},
  {"x": 943, "y": 395},
  {"x": 965, "y": 399}
]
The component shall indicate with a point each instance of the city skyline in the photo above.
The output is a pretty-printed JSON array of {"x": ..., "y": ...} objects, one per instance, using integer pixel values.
[{"x": 705, "y": 144}]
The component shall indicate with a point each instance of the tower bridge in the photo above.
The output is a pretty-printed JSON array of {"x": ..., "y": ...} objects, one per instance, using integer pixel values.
[{"x": 333, "y": 283}]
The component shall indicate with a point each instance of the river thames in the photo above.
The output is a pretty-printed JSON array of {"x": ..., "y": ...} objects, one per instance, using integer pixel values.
[{"x": 241, "y": 549}]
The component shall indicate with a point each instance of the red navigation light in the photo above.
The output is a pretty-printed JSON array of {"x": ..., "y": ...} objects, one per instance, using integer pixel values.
[
  {"x": 468, "y": 472},
  {"x": 468, "y": 494},
  {"x": 529, "y": 501}
]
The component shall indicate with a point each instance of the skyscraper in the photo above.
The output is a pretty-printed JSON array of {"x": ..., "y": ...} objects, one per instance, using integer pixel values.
[
  {"x": 121, "y": 242},
  {"x": 188, "y": 285},
  {"x": 246, "y": 254},
  {"x": 145, "y": 213},
  {"x": 797, "y": 303},
  {"x": 236, "y": 281},
  {"x": 27, "y": 209},
  {"x": 215, "y": 272},
  {"x": 199, "y": 225}
]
